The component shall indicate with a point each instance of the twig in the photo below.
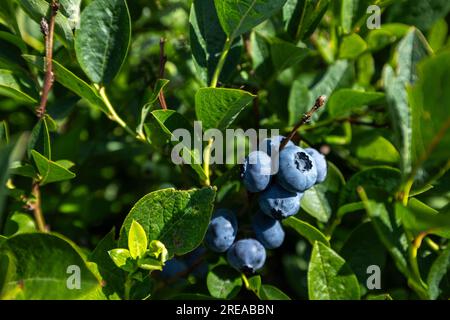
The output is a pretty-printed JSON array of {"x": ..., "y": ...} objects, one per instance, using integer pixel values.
[
  {"x": 37, "y": 208},
  {"x": 48, "y": 29},
  {"x": 320, "y": 101},
  {"x": 162, "y": 65}
]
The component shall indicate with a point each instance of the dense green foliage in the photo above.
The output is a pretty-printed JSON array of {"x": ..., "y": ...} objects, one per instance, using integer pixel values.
[{"x": 97, "y": 166}]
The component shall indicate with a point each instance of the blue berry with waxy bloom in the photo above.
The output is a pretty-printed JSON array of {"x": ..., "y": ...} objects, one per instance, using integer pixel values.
[
  {"x": 297, "y": 169},
  {"x": 256, "y": 171},
  {"x": 321, "y": 164},
  {"x": 268, "y": 231},
  {"x": 173, "y": 267},
  {"x": 221, "y": 231},
  {"x": 279, "y": 203},
  {"x": 273, "y": 143},
  {"x": 247, "y": 255}
]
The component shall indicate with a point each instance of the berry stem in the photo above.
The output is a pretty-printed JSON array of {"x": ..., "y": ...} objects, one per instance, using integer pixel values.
[
  {"x": 37, "y": 208},
  {"x": 221, "y": 63},
  {"x": 162, "y": 65},
  {"x": 320, "y": 101}
]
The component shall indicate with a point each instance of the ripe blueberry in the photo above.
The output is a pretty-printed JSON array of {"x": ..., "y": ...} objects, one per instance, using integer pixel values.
[
  {"x": 279, "y": 203},
  {"x": 321, "y": 164},
  {"x": 221, "y": 230},
  {"x": 273, "y": 143},
  {"x": 256, "y": 171},
  {"x": 268, "y": 231},
  {"x": 297, "y": 171},
  {"x": 247, "y": 255},
  {"x": 172, "y": 267}
]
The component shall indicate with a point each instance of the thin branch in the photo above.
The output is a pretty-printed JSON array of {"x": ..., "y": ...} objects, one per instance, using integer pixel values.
[
  {"x": 48, "y": 29},
  {"x": 36, "y": 207},
  {"x": 320, "y": 101},
  {"x": 162, "y": 66}
]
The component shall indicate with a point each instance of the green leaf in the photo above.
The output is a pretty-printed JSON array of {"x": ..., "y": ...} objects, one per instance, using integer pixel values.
[
  {"x": 71, "y": 10},
  {"x": 18, "y": 87},
  {"x": 137, "y": 240},
  {"x": 268, "y": 292},
  {"x": 37, "y": 9},
  {"x": 379, "y": 183},
  {"x": 389, "y": 231},
  {"x": 24, "y": 170},
  {"x": 373, "y": 148},
  {"x": 285, "y": 54},
  {"x": 18, "y": 223},
  {"x": 162, "y": 130},
  {"x": 159, "y": 86},
  {"x": 419, "y": 13},
  {"x": 70, "y": 81},
  {"x": 102, "y": 40},
  {"x": 113, "y": 276},
  {"x": 306, "y": 230},
  {"x": 357, "y": 254},
  {"x": 319, "y": 200},
  {"x": 418, "y": 217},
  {"x": 178, "y": 219},
  {"x": 49, "y": 170},
  {"x": 439, "y": 269},
  {"x": 207, "y": 40},
  {"x": 55, "y": 257},
  {"x": 352, "y": 46},
  {"x": 122, "y": 259},
  {"x": 223, "y": 282},
  {"x": 351, "y": 13},
  {"x": 219, "y": 107},
  {"x": 345, "y": 101},
  {"x": 410, "y": 51},
  {"x": 40, "y": 139},
  {"x": 301, "y": 101},
  {"x": 389, "y": 33},
  {"x": 238, "y": 17},
  {"x": 4, "y": 133},
  {"x": 430, "y": 119},
  {"x": 254, "y": 284},
  {"x": 383, "y": 296},
  {"x": 301, "y": 17},
  {"x": 330, "y": 277},
  {"x": 8, "y": 153},
  {"x": 438, "y": 35}
]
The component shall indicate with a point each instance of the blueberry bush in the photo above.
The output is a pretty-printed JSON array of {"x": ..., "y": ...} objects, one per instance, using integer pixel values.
[{"x": 99, "y": 198}]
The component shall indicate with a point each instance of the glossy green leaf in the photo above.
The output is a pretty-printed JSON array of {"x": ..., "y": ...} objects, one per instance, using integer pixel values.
[
  {"x": 40, "y": 139},
  {"x": 306, "y": 230},
  {"x": 378, "y": 182},
  {"x": 71, "y": 10},
  {"x": 363, "y": 249},
  {"x": 352, "y": 46},
  {"x": 223, "y": 282},
  {"x": 178, "y": 219},
  {"x": 419, "y": 13},
  {"x": 122, "y": 258},
  {"x": 254, "y": 284},
  {"x": 285, "y": 54},
  {"x": 410, "y": 51},
  {"x": 269, "y": 292},
  {"x": 439, "y": 269},
  {"x": 59, "y": 263},
  {"x": 430, "y": 120},
  {"x": 320, "y": 200},
  {"x": 300, "y": 102},
  {"x": 37, "y": 9},
  {"x": 351, "y": 13},
  {"x": 113, "y": 276},
  {"x": 18, "y": 223},
  {"x": 238, "y": 17},
  {"x": 50, "y": 171},
  {"x": 219, "y": 107},
  {"x": 207, "y": 40},
  {"x": 162, "y": 129},
  {"x": 418, "y": 217},
  {"x": 344, "y": 101},
  {"x": 137, "y": 240},
  {"x": 102, "y": 40},
  {"x": 17, "y": 87},
  {"x": 387, "y": 34},
  {"x": 373, "y": 148},
  {"x": 390, "y": 232},
  {"x": 301, "y": 17},
  {"x": 438, "y": 35},
  {"x": 330, "y": 277},
  {"x": 70, "y": 81}
]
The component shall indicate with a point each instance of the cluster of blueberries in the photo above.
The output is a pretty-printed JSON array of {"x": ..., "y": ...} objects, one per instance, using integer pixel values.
[{"x": 280, "y": 194}]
